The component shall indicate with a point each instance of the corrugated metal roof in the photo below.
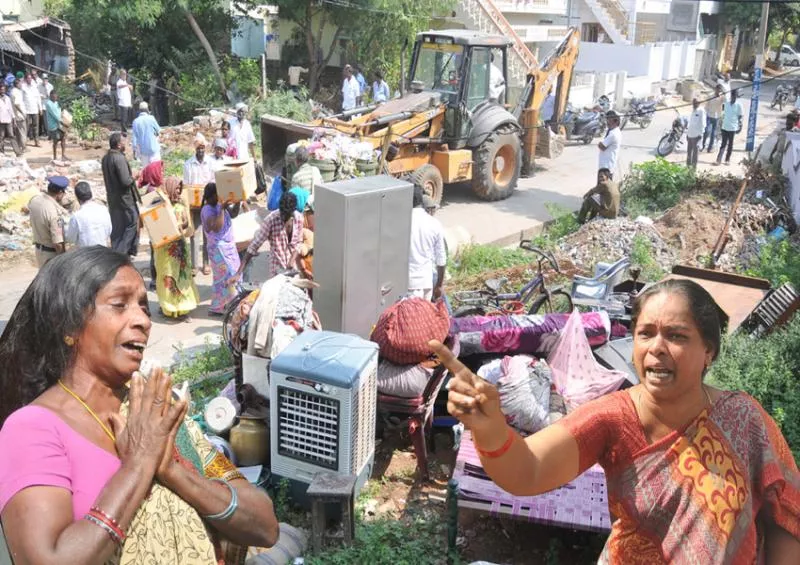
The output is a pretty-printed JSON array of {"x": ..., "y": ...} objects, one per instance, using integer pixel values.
[{"x": 11, "y": 41}]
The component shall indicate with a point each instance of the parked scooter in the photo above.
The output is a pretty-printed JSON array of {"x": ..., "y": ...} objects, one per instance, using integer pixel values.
[
  {"x": 639, "y": 111},
  {"x": 674, "y": 137},
  {"x": 583, "y": 125},
  {"x": 781, "y": 97}
]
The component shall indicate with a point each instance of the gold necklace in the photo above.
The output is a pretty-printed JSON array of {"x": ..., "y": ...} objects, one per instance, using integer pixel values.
[{"x": 91, "y": 412}]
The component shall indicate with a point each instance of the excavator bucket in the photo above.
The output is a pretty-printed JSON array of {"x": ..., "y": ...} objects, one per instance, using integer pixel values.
[{"x": 548, "y": 144}]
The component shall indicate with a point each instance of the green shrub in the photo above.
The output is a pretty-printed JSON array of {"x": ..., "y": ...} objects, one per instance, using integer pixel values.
[
  {"x": 779, "y": 262},
  {"x": 82, "y": 117},
  {"x": 654, "y": 186},
  {"x": 213, "y": 357},
  {"x": 767, "y": 369}
]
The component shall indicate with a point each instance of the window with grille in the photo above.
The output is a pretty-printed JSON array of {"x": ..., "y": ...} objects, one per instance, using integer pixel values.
[{"x": 308, "y": 427}]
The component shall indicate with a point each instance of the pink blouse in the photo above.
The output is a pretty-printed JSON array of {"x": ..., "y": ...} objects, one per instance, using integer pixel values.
[{"x": 39, "y": 449}]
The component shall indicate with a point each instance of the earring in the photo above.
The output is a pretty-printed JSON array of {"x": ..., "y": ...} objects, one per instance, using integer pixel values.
[{"x": 69, "y": 340}]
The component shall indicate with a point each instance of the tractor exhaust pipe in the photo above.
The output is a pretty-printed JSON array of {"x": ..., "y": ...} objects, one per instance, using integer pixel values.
[{"x": 403, "y": 67}]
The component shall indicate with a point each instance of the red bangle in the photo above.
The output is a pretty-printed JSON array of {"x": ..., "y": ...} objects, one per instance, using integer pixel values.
[
  {"x": 108, "y": 521},
  {"x": 500, "y": 451}
]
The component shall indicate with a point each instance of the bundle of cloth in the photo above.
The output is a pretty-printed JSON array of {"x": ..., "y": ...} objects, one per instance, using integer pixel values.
[
  {"x": 528, "y": 399},
  {"x": 533, "y": 335},
  {"x": 402, "y": 334},
  {"x": 269, "y": 319}
]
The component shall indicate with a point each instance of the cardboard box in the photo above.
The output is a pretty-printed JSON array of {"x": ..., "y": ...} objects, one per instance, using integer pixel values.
[
  {"x": 159, "y": 220},
  {"x": 194, "y": 194},
  {"x": 236, "y": 181}
]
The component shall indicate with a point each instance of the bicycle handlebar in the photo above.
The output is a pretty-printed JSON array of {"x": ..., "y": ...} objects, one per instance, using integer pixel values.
[{"x": 527, "y": 245}]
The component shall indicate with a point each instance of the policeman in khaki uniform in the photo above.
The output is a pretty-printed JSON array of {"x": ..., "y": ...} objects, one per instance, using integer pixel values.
[{"x": 47, "y": 220}]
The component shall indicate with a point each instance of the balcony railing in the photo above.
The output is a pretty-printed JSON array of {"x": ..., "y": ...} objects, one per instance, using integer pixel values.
[{"x": 532, "y": 6}]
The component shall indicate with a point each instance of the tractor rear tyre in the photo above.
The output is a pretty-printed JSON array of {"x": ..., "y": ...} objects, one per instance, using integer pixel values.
[
  {"x": 429, "y": 179},
  {"x": 496, "y": 165}
]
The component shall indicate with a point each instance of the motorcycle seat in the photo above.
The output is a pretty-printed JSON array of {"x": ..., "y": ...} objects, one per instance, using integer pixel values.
[
  {"x": 494, "y": 285},
  {"x": 586, "y": 117}
]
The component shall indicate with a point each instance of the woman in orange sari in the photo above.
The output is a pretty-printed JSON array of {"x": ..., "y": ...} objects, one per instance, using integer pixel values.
[{"x": 695, "y": 475}]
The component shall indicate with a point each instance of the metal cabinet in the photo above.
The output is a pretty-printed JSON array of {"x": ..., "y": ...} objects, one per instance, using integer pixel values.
[{"x": 361, "y": 243}]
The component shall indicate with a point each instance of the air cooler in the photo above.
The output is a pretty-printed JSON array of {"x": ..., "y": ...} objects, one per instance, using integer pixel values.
[{"x": 323, "y": 390}]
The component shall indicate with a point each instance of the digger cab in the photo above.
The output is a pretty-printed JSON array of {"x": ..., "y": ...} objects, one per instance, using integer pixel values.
[{"x": 467, "y": 69}]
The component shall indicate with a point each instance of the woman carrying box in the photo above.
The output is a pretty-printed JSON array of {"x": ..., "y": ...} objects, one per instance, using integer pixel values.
[
  {"x": 177, "y": 293},
  {"x": 222, "y": 253}
]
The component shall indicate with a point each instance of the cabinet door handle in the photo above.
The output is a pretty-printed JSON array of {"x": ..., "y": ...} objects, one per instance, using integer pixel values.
[{"x": 386, "y": 289}]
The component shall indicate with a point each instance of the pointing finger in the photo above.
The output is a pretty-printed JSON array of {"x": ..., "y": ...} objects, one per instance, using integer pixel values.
[{"x": 451, "y": 362}]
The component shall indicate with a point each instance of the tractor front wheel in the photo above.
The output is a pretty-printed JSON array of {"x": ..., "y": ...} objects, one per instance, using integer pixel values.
[
  {"x": 429, "y": 179},
  {"x": 496, "y": 165}
]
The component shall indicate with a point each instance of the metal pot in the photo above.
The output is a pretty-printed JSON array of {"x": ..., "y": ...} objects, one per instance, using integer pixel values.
[{"x": 250, "y": 441}]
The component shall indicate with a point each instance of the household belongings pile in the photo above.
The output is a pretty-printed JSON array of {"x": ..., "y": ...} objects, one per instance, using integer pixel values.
[
  {"x": 269, "y": 319},
  {"x": 336, "y": 156},
  {"x": 402, "y": 334},
  {"x": 534, "y": 393}
]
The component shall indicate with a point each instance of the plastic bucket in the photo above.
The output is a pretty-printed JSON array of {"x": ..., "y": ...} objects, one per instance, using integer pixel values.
[
  {"x": 367, "y": 167},
  {"x": 327, "y": 168}
]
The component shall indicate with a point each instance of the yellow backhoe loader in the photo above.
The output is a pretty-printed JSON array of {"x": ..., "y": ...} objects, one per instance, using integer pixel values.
[{"x": 452, "y": 126}]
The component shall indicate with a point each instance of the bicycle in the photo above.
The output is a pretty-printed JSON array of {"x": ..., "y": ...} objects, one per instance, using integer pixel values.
[{"x": 490, "y": 301}]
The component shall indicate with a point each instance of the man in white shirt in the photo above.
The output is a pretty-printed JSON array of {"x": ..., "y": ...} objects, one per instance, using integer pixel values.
[
  {"x": 694, "y": 132},
  {"x": 198, "y": 170},
  {"x": 351, "y": 90},
  {"x": 20, "y": 118},
  {"x": 45, "y": 88},
  {"x": 294, "y": 76},
  {"x": 609, "y": 147},
  {"x": 124, "y": 100},
  {"x": 427, "y": 250},
  {"x": 91, "y": 225},
  {"x": 7, "y": 122},
  {"x": 33, "y": 107},
  {"x": 497, "y": 82},
  {"x": 725, "y": 83},
  {"x": 242, "y": 133}
]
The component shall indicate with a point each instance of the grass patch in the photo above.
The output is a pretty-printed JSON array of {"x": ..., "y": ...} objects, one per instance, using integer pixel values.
[
  {"x": 477, "y": 259},
  {"x": 563, "y": 224},
  {"x": 642, "y": 257},
  {"x": 389, "y": 540}
]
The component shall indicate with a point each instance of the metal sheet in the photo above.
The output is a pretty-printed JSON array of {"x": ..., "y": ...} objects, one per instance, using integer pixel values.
[{"x": 11, "y": 42}]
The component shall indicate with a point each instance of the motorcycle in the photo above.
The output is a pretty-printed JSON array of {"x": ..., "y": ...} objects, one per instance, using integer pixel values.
[
  {"x": 781, "y": 97},
  {"x": 673, "y": 138},
  {"x": 583, "y": 125},
  {"x": 639, "y": 112}
]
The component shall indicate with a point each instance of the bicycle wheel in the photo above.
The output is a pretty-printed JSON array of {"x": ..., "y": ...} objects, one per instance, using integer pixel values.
[
  {"x": 465, "y": 311},
  {"x": 553, "y": 301}
]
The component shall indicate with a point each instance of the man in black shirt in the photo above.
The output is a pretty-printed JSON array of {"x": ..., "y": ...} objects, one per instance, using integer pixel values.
[{"x": 122, "y": 197}]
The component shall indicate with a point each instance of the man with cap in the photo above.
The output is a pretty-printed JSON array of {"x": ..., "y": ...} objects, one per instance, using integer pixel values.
[
  {"x": 609, "y": 147},
  {"x": 218, "y": 157},
  {"x": 122, "y": 197},
  {"x": 145, "y": 131},
  {"x": 242, "y": 133},
  {"x": 47, "y": 222},
  {"x": 20, "y": 118},
  {"x": 199, "y": 171}
]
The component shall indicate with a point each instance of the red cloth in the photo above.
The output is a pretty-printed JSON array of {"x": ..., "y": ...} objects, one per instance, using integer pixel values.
[
  {"x": 405, "y": 328},
  {"x": 152, "y": 174}
]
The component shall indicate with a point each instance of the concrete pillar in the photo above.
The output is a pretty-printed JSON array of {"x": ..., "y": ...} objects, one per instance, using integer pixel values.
[
  {"x": 619, "y": 89},
  {"x": 599, "y": 86}
]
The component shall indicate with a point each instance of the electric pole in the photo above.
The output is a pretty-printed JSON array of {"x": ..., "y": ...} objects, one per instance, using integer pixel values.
[{"x": 761, "y": 56}]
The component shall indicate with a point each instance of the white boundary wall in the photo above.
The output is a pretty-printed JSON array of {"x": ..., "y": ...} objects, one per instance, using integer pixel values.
[{"x": 657, "y": 61}]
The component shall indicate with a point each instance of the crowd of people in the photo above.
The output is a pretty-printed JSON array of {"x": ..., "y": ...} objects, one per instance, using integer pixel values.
[{"x": 29, "y": 110}]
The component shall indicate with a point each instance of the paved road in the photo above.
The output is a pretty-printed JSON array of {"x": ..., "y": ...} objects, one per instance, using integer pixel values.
[{"x": 563, "y": 181}]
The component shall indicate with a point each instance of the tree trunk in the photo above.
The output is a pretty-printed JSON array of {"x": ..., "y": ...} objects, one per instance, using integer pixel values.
[
  {"x": 201, "y": 37},
  {"x": 311, "y": 47},
  {"x": 780, "y": 45}
]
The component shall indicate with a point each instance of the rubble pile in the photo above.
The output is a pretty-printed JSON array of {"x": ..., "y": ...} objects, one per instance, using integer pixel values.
[{"x": 603, "y": 240}]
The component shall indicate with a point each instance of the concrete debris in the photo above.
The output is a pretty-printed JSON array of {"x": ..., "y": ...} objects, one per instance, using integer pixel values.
[
  {"x": 88, "y": 167},
  {"x": 603, "y": 240}
]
